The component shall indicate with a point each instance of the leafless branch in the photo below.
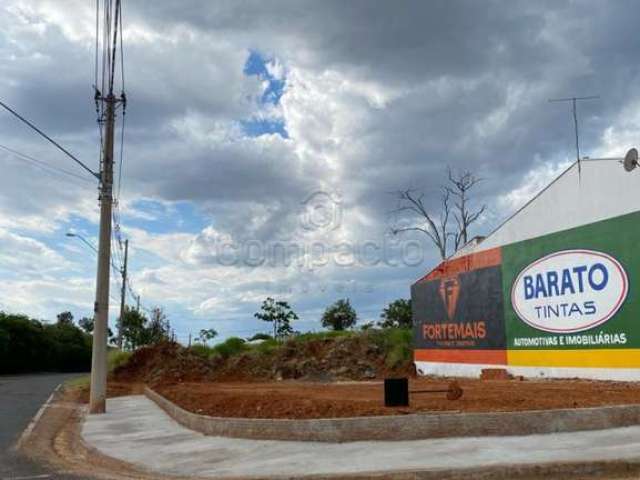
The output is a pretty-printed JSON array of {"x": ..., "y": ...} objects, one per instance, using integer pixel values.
[{"x": 454, "y": 202}]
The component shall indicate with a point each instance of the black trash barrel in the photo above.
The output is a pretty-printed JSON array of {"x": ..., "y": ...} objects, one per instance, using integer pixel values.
[{"x": 396, "y": 392}]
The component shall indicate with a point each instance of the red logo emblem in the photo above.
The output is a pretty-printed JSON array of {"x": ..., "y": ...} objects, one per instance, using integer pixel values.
[{"x": 449, "y": 290}]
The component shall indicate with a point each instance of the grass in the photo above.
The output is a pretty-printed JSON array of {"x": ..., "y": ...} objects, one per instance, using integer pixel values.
[
  {"x": 116, "y": 358},
  {"x": 230, "y": 347},
  {"x": 304, "y": 337},
  {"x": 78, "y": 382},
  {"x": 395, "y": 343},
  {"x": 266, "y": 347}
]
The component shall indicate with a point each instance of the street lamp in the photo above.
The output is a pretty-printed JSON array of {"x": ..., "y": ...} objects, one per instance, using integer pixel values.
[
  {"x": 93, "y": 247},
  {"x": 81, "y": 238}
]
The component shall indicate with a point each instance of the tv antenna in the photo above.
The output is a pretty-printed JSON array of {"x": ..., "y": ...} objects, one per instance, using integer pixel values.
[
  {"x": 574, "y": 101},
  {"x": 630, "y": 160}
]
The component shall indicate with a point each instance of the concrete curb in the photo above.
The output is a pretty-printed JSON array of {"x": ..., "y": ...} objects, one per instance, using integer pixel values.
[
  {"x": 88, "y": 462},
  {"x": 554, "y": 471},
  {"x": 405, "y": 427},
  {"x": 34, "y": 421}
]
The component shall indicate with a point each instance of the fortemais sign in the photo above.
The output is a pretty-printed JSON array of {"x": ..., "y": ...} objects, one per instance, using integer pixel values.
[{"x": 569, "y": 291}]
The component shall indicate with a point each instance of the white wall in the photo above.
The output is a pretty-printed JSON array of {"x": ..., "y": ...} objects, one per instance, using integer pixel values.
[
  {"x": 440, "y": 369},
  {"x": 603, "y": 190}
]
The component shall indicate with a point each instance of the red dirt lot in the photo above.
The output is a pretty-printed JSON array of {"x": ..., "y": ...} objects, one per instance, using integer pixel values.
[{"x": 296, "y": 399}]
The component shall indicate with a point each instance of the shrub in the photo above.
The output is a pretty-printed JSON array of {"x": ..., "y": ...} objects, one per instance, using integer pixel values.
[
  {"x": 340, "y": 315},
  {"x": 231, "y": 346},
  {"x": 260, "y": 336},
  {"x": 396, "y": 342},
  {"x": 117, "y": 358},
  {"x": 28, "y": 345},
  {"x": 266, "y": 347},
  {"x": 304, "y": 337},
  {"x": 202, "y": 350}
]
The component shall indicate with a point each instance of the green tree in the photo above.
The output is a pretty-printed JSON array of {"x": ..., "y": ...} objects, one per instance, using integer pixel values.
[
  {"x": 138, "y": 330},
  {"x": 28, "y": 345},
  {"x": 65, "y": 318},
  {"x": 159, "y": 328},
  {"x": 133, "y": 329},
  {"x": 207, "y": 334},
  {"x": 280, "y": 314},
  {"x": 397, "y": 314},
  {"x": 339, "y": 316},
  {"x": 86, "y": 324}
]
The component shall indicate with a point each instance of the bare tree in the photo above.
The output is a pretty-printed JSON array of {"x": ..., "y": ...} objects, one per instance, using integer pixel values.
[
  {"x": 437, "y": 226},
  {"x": 459, "y": 186}
]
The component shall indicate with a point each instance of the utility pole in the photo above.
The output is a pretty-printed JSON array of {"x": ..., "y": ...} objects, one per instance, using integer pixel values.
[
  {"x": 123, "y": 293},
  {"x": 97, "y": 398},
  {"x": 112, "y": 17},
  {"x": 138, "y": 303}
]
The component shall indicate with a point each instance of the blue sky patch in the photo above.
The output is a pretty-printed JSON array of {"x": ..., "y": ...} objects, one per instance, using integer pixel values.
[
  {"x": 158, "y": 217},
  {"x": 262, "y": 126},
  {"x": 257, "y": 65},
  {"x": 255, "y": 126}
]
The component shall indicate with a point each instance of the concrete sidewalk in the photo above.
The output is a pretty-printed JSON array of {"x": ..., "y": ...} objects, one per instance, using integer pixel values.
[{"x": 135, "y": 430}]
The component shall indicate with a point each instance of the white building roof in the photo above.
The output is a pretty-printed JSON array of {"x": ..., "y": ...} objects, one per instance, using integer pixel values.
[{"x": 596, "y": 190}]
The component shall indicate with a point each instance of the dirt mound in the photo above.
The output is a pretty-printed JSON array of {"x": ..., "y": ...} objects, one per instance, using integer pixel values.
[
  {"x": 323, "y": 359},
  {"x": 163, "y": 363},
  {"x": 354, "y": 357}
]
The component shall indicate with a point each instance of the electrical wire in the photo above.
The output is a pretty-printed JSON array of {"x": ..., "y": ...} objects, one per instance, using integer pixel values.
[
  {"x": 121, "y": 48},
  {"x": 60, "y": 147},
  {"x": 95, "y": 84},
  {"x": 121, "y": 155},
  {"x": 43, "y": 165},
  {"x": 115, "y": 41},
  {"x": 115, "y": 252}
]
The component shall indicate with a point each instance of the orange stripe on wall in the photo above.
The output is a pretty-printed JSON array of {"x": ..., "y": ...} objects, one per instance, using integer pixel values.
[
  {"x": 484, "y": 259},
  {"x": 492, "y": 357}
]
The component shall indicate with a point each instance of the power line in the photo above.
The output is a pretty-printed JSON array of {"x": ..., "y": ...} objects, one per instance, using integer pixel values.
[
  {"x": 121, "y": 152},
  {"x": 39, "y": 163},
  {"x": 60, "y": 147},
  {"x": 97, "y": 33},
  {"x": 115, "y": 42},
  {"x": 121, "y": 47}
]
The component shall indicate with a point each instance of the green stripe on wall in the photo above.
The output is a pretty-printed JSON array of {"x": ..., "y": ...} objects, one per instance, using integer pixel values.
[{"x": 618, "y": 237}]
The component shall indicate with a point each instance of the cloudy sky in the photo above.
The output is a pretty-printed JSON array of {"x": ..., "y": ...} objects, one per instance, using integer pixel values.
[{"x": 255, "y": 128}]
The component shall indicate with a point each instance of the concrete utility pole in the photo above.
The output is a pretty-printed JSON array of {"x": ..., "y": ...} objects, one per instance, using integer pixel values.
[
  {"x": 97, "y": 398},
  {"x": 123, "y": 293},
  {"x": 138, "y": 303}
]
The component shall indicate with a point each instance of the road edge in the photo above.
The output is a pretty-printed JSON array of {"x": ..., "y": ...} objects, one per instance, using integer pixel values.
[
  {"x": 24, "y": 436},
  {"x": 68, "y": 452}
]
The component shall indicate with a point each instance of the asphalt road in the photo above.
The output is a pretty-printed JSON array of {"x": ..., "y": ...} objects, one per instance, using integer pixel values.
[{"x": 20, "y": 399}]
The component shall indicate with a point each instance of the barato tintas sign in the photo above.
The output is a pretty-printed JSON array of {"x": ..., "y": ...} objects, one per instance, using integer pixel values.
[{"x": 565, "y": 299}]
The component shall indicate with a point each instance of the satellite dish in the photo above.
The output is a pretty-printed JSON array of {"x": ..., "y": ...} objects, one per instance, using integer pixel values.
[{"x": 631, "y": 160}]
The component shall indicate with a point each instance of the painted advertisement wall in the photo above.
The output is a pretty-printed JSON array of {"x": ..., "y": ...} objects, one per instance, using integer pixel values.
[{"x": 566, "y": 300}]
